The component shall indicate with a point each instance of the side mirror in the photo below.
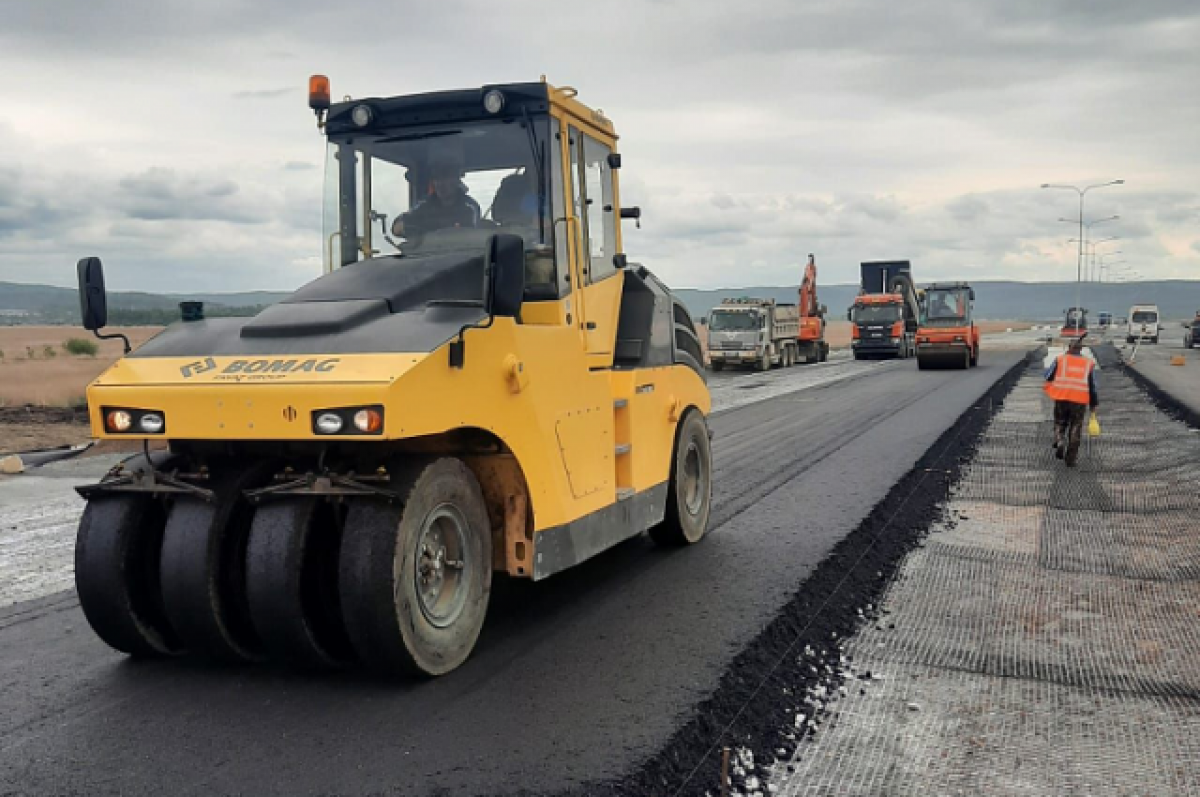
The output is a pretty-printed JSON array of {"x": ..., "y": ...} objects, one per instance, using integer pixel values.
[
  {"x": 614, "y": 160},
  {"x": 850, "y": 314},
  {"x": 633, "y": 213},
  {"x": 822, "y": 310},
  {"x": 93, "y": 300},
  {"x": 505, "y": 266},
  {"x": 972, "y": 294}
]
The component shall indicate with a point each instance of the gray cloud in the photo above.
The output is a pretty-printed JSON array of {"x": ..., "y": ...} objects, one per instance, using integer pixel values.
[{"x": 850, "y": 128}]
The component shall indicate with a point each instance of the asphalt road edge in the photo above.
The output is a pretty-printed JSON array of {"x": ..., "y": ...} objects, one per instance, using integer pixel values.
[
  {"x": 798, "y": 654},
  {"x": 1162, "y": 399}
]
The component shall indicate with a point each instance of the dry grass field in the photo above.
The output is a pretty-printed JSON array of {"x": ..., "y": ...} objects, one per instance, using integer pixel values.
[{"x": 29, "y": 374}]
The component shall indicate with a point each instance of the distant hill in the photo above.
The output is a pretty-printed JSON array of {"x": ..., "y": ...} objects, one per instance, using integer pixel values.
[
  {"x": 46, "y": 304},
  {"x": 1016, "y": 301}
]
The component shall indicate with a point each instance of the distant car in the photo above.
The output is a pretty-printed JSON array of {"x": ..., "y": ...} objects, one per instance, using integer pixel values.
[{"x": 1191, "y": 335}]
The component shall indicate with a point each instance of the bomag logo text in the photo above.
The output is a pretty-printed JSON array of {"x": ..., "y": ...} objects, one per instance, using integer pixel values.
[
  {"x": 279, "y": 366},
  {"x": 266, "y": 370}
]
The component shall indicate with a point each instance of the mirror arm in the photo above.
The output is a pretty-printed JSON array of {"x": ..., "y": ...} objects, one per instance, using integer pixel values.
[
  {"x": 114, "y": 336},
  {"x": 458, "y": 346}
]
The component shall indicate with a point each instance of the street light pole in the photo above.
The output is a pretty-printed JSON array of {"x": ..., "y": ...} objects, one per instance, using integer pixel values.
[
  {"x": 1088, "y": 232},
  {"x": 1090, "y": 251},
  {"x": 1079, "y": 260}
]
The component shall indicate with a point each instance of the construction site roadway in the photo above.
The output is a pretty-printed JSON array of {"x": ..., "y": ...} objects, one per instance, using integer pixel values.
[{"x": 576, "y": 680}]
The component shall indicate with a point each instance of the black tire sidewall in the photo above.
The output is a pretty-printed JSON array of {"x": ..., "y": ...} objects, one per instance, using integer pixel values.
[
  {"x": 378, "y": 573},
  {"x": 690, "y": 527}
]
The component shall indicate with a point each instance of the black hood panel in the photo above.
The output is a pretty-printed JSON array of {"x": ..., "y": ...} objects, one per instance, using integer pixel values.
[{"x": 375, "y": 306}]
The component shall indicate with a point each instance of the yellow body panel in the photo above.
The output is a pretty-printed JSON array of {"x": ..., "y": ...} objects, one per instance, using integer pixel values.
[{"x": 423, "y": 396}]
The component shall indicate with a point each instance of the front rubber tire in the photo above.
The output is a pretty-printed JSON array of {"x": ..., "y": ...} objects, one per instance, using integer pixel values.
[
  {"x": 203, "y": 567},
  {"x": 392, "y": 628},
  {"x": 291, "y": 582},
  {"x": 689, "y": 497},
  {"x": 117, "y": 577}
]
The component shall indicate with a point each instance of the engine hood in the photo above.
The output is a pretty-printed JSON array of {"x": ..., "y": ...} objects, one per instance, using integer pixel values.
[{"x": 384, "y": 305}]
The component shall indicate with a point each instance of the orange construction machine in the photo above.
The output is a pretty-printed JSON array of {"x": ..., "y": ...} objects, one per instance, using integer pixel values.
[
  {"x": 813, "y": 346},
  {"x": 948, "y": 335}
]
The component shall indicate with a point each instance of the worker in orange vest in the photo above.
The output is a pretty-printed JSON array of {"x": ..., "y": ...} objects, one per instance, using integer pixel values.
[{"x": 1071, "y": 382}]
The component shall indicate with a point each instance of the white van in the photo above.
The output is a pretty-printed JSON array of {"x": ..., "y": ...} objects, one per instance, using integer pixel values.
[{"x": 1143, "y": 323}]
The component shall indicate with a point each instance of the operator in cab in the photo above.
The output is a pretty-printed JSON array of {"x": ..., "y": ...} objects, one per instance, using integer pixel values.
[
  {"x": 1071, "y": 382},
  {"x": 447, "y": 205}
]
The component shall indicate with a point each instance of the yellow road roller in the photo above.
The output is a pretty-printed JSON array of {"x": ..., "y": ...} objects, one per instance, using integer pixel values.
[{"x": 479, "y": 383}]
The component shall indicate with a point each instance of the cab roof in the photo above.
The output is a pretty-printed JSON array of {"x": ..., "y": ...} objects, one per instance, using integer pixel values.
[
  {"x": 879, "y": 298},
  {"x": 463, "y": 105}
]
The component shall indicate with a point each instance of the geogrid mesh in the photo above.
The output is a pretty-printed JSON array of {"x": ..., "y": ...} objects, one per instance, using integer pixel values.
[{"x": 1045, "y": 639}]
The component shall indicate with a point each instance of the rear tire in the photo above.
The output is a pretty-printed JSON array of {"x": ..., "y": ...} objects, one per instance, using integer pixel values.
[
  {"x": 291, "y": 582},
  {"x": 406, "y": 606},
  {"x": 689, "y": 500},
  {"x": 117, "y": 576},
  {"x": 204, "y": 567}
]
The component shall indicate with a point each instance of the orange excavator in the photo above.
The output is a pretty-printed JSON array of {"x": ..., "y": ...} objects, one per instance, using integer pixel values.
[{"x": 813, "y": 346}]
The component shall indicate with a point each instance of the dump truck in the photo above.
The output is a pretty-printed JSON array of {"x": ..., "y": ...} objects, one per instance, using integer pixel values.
[
  {"x": 757, "y": 333},
  {"x": 948, "y": 334},
  {"x": 813, "y": 346},
  {"x": 336, "y": 480},
  {"x": 886, "y": 312}
]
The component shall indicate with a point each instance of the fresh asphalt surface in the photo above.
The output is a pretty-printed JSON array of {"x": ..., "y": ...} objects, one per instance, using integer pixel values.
[{"x": 576, "y": 679}]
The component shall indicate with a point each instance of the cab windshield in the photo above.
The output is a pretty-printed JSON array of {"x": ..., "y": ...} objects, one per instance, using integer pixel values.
[
  {"x": 442, "y": 188},
  {"x": 733, "y": 321},
  {"x": 876, "y": 313},
  {"x": 945, "y": 306},
  {"x": 1145, "y": 317}
]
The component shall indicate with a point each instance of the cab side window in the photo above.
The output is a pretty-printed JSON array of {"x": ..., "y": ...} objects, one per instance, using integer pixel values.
[{"x": 600, "y": 214}]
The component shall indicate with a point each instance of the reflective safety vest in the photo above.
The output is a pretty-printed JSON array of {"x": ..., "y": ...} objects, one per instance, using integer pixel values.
[{"x": 1071, "y": 379}]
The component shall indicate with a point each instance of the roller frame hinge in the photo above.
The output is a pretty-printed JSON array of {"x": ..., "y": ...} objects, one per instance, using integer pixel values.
[
  {"x": 150, "y": 482},
  {"x": 324, "y": 485}
]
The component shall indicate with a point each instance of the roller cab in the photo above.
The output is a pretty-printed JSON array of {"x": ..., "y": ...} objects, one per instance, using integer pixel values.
[{"x": 480, "y": 382}]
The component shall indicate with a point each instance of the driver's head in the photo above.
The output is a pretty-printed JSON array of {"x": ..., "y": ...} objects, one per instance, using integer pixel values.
[{"x": 446, "y": 176}]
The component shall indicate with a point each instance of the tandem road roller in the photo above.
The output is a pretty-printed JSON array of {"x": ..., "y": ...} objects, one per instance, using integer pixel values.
[{"x": 483, "y": 385}]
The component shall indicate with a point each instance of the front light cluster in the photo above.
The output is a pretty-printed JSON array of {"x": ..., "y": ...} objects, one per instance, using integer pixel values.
[
  {"x": 120, "y": 420},
  {"x": 348, "y": 421}
]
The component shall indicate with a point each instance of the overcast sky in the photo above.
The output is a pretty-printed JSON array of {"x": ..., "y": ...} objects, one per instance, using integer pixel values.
[{"x": 174, "y": 140}]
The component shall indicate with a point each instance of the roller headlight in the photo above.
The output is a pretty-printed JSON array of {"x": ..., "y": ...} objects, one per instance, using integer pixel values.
[
  {"x": 368, "y": 421},
  {"x": 118, "y": 421},
  {"x": 125, "y": 420},
  {"x": 328, "y": 423},
  {"x": 493, "y": 101},
  {"x": 349, "y": 421},
  {"x": 151, "y": 423},
  {"x": 362, "y": 115}
]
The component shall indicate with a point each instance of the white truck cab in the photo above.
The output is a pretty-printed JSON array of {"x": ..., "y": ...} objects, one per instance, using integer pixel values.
[{"x": 1143, "y": 324}]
